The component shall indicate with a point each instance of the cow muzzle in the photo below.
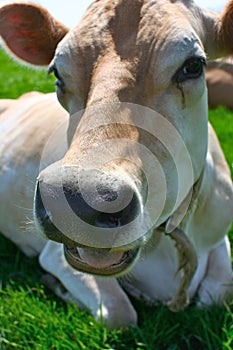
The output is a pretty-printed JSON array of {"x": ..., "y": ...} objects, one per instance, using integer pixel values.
[{"x": 89, "y": 216}]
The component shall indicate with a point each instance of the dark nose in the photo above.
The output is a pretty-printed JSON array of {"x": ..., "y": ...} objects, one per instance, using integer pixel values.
[
  {"x": 103, "y": 201},
  {"x": 101, "y": 218}
]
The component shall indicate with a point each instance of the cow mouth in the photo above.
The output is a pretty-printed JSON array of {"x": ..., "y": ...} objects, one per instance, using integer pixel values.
[{"x": 120, "y": 267}]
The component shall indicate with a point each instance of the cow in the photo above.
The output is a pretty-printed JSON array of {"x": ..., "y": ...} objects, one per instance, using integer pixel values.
[
  {"x": 133, "y": 195},
  {"x": 219, "y": 77}
]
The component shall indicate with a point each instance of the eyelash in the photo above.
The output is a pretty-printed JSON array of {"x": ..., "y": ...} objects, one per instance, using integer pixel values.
[
  {"x": 186, "y": 73},
  {"x": 59, "y": 82}
]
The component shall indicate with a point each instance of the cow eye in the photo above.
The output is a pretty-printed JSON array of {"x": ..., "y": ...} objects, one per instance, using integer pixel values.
[
  {"x": 191, "y": 69},
  {"x": 59, "y": 82}
]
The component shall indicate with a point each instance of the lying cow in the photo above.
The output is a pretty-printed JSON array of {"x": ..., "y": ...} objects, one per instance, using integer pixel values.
[
  {"x": 138, "y": 185},
  {"x": 219, "y": 77}
]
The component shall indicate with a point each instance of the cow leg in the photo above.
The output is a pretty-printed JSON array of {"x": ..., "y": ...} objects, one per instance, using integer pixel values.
[
  {"x": 57, "y": 288},
  {"x": 102, "y": 296},
  {"x": 217, "y": 285}
]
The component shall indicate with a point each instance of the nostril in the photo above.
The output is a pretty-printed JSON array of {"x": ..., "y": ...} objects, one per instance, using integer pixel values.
[
  {"x": 109, "y": 220},
  {"x": 43, "y": 220},
  {"x": 107, "y": 194},
  {"x": 102, "y": 218}
]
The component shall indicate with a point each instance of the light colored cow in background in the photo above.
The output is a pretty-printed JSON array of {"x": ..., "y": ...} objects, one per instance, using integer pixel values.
[
  {"x": 219, "y": 77},
  {"x": 149, "y": 53}
]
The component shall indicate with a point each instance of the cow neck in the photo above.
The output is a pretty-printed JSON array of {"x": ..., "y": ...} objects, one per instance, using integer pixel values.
[{"x": 180, "y": 217}]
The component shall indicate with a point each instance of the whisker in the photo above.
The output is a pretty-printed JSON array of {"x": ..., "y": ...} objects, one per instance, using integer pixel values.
[{"x": 21, "y": 207}]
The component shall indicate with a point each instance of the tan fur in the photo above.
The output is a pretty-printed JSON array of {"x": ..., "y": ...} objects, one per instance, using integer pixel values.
[
  {"x": 4, "y": 104},
  {"x": 226, "y": 29},
  {"x": 219, "y": 78}
]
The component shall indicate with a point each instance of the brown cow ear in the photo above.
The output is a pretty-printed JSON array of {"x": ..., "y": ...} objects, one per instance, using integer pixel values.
[
  {"x": 30, "y": 32},
  {"x": 216, "y": 31},
  {"x": 225, "y": 30}
]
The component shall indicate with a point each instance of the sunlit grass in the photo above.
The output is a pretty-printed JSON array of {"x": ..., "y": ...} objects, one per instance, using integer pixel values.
[
  {"x": 16, "y": 79},
  {"x": 222, "y": 121}
]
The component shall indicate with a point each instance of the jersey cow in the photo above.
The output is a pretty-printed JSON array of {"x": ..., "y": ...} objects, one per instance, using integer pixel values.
[
  {"x": 219, "y": 77},
  {"x": 132, "y": 191}
]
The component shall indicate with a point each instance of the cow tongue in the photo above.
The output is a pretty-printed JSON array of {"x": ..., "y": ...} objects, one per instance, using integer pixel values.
[{"x": 100, "y": 259}]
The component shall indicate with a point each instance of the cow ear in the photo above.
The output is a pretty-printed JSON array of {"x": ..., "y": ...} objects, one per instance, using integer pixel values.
[
  {"x": 30, "y": 32},
  {"x": 218, "y": 32},
  {"x": 225, "y": 30}
]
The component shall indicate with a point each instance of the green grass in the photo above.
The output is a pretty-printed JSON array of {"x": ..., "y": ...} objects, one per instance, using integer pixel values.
[
  {"x": 31, "y": 317},
  {"x": 16, "y": 79},
  {"x": 222, "y": 121}
]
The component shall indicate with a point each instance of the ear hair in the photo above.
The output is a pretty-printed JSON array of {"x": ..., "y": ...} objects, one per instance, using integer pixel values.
[
  {"x": 225, "y": 29},
  {"x": 216, "y": 31},
  {"x": 30, "y": 32}
]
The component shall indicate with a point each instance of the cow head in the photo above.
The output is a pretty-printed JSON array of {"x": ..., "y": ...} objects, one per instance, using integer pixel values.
[{"x": 131, "y": 75}]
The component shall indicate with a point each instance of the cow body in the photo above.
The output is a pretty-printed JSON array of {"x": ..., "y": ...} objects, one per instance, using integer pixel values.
[
  {"x": 104, "y": 72},
  {"x": 21, "y": 154},
  {"x": 219, "y": 77}
]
